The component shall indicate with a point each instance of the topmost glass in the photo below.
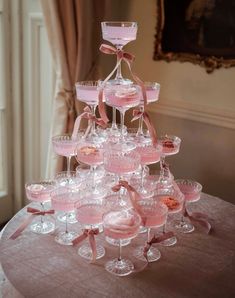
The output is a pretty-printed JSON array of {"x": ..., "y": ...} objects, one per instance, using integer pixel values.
[{"x": 119, "y": 33}]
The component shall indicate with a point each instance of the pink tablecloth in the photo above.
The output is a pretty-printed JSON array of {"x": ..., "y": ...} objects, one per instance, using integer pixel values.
[{"x": 200, "y": 265}]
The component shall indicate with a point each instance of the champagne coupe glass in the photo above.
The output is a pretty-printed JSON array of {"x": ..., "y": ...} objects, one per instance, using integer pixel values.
[
  {"x": 88, "y": 92},
  {"x": 171, "y": 146},
  {"x": 73, "y": 182},
  {"x": 64, "y": 199},
  {"x": 121, "y": 163},
  {"x": 152, "y": 94},
  {"x": 90, "y": 212},
  {"x": 119, "y": 34},
  {"x": 64, "y": 145},
  {"x": 120, "y": 225},
  {"x": 123, "y": 97},
  {"x": 192, "y": 193},
  {"x": 153, "y": 214},
  {"x": 173, "y": 198},
  {"x": 40, "y": 192},
  {"x": 89, "y": 151}
]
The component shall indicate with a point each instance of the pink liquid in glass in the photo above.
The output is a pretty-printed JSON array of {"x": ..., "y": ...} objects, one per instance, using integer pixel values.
[
  {"x": 90, "y": 155},
  {"x": 128, "y": 101},
  {"x": 90, "y": 214},
  {"x": 148, "y": 155},
  {"x": 65, "y": 147},
  {"x": 153, "y": 217},
  {"x": 119, "y": 36},
  {"x": 190, "y": 193},
  {"x": 121, "y": 165},
  {"x": 38, "y": 192},
  {"x": 87, "y": 94},
  {"x": 63, "y": 202},
  {"x": 120, "y": 226}
]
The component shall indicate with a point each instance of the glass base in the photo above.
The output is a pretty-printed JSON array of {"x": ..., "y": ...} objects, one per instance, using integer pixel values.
[
  {"x": 142, "y": 230},
  {"x": 65, "y": 238},
  {"x": 183, "y": 226},
  {"x": 115, "y": 242},
  {"x": 71, "y": 217},
  {"x": 118, "y": 267},
  {"x": 85, "y": 252},
  {"x": 42, "y": 227},
  {"x": 153, "y": 254},
  {"x": 169, "y": 242}
]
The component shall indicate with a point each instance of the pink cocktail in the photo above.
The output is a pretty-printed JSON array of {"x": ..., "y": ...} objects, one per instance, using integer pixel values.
[
  {"x": 88, "y": 92},
  {"x": 119, "y": 33},
  {"x": 39, "y": 191},
  {"x": 191, "y": 189},
  {"x": 63, "y": 202},
  {"x": 89, "y": 154},
  {"x": 121, "y": 224},
  {"x": 64, "y": 145},
  {"x": 152, "y": 92},
  {"x": 170, "y": 144},
  {"x": 149, "y": 154}
]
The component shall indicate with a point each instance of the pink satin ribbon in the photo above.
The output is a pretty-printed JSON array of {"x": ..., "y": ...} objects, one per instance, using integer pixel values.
[
  {"x": 91, "y": 237},
  {"x": 121, "y": 56},
  {"x": 199, "y": 218},
  {"x": 28, "y": 220},
  {"x": 155, "y": 239},
  {"x": 87, "y": 114},
  {"x": 138, "y": 114}
]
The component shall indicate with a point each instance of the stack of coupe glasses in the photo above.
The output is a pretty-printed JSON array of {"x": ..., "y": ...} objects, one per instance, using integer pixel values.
[{"x": 86, "y": 199}]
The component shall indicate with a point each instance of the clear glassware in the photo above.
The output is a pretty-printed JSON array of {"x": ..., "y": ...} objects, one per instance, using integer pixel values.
[
  {"x": 123, "y": 97},
  {"x": 173, "y": 198},
  {"x": 90, "y": 151},
  {"x": 120, "y": 225},
  {"x": 119, "y": 34},
  {"x": 64, "y": 199},
  {"x": 64, "y": 145},
  {"x": 90, "y": 212},
  {"x": 88, "y": 92},
  {"x": 74, "y": 183},
  {"x": 152, "y": 94},
  {"x": 192, "y": 193},
  {"x": 171, "y": 146},
  {"x": 121, "y": 163},
  {"x": 40, "y": 192},
  {"x": 154, "y": 215}
]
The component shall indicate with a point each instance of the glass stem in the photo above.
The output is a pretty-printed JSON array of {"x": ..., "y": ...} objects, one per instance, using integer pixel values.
[
  {"x": 142, "y": 177},
  {"x": 149, "y": 234},
  {"x": 68, "y": 165},
  {"x": 114, "y": 119},
  {"x": 93, "y": 108},
  {"x": 122, "y": 124},
  {"x": 119, "y": 69},
  {"x": 93, "y": 177},
  {"x": 119, "y": 251},
  {"x": 140, "y": 128},
  {"x": 182, "y": 221},
  {"x": 162, "y": 161},
  {"x": 66, "y": 223},
  {"x": 43, "y": 209}
]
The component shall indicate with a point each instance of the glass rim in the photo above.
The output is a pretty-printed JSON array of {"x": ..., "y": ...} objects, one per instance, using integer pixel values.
[
  {"x": 182, "y": 181},
  {"x": 88, "y": 83},
  {"x": 134, "y": 23}
]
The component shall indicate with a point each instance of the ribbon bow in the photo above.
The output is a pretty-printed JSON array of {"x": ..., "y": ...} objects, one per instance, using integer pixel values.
[
  {"x": 155, "y": 239},
  {"x": 199, "y": 218},
  {"x": 91, "y": 237},
  {"x": 133, "y": 194},
  {"x": 87, "y": 114},
  {"x": 28, "y": 220},
  {"x": 138, "y": 114},
  {"x": 128, "y": 58}
]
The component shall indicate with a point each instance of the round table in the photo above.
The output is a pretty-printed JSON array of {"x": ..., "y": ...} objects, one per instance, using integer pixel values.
[{"x": 200, "y": 265}]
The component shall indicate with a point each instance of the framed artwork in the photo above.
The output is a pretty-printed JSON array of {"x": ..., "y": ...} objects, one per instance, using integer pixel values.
[{"x": 197, "y": 31}]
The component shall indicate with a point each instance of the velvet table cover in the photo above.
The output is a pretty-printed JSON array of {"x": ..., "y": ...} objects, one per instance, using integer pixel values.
[{"x": 199, "y": 265}]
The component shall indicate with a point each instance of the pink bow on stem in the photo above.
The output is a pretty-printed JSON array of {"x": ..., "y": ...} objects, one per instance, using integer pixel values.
[
  {"x": 34, "y": 212},
  {"x": 199, "y": 218},
  {"x": 138, "y": 114},
  {"x": 87, "y": 114},
  {"x": 121, "y": 56},
  {"x": 133, "y": 194},
  {"x": 155, "y": 239},
  {"x": 90, "y": 233}
]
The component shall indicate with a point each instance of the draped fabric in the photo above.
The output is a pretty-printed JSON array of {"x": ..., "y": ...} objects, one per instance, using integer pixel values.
[{"x": 73, "y": 29}]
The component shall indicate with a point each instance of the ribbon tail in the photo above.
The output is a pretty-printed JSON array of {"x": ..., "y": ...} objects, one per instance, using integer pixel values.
[
  {"x": 79, "y": 239},
  {"x": 101, "y": 108},
  {"x": 22, "y": 227}
]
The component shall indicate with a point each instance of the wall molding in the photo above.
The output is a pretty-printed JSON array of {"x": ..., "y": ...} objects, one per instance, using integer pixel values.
[{"x": 196, "y": 112}]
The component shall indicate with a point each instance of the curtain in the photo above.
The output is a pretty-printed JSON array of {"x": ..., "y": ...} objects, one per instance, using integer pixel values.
[{"x": 73, "y": 29}]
